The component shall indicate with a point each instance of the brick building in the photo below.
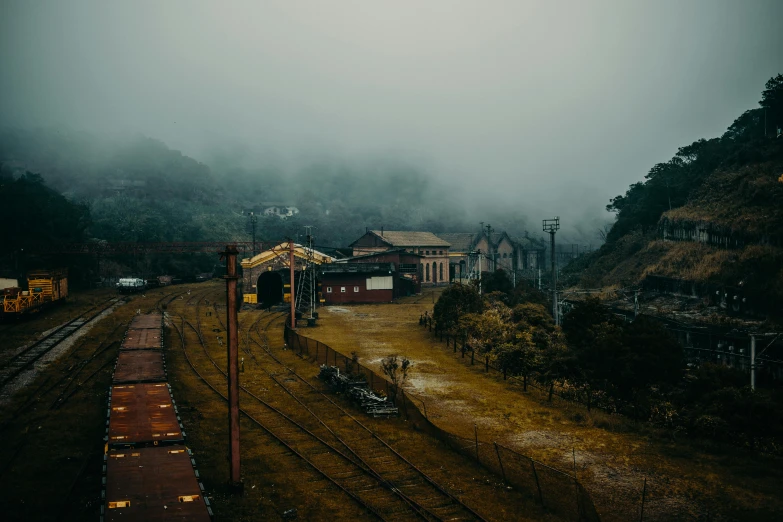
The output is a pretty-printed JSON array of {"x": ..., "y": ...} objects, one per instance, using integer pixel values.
[
  {"x": 496, "y": 251},
  {"x": 358, "y": 283},
  {"x": 433, "y": 251}
]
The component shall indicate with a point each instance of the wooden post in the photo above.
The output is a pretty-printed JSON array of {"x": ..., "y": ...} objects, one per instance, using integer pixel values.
[
  {"x": 644, "y": 494},
  {"x": 538, "y": 484},
  {"x": 500, "y": 461},
  {"x": 232, "y": 355},
  {"x": 475, "y": 432},
  {"x": 291, "y": 265}
]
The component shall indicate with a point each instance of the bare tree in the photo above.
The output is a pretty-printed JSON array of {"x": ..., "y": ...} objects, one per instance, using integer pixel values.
[{"x": 396, "y": 368}]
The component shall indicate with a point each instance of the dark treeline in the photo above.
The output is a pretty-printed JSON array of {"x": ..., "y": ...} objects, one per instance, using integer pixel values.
[{"x": 636, "y": 369}]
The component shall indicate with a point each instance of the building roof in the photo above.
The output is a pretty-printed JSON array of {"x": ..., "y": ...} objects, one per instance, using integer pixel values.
[
  {"x": 377, "y": 254},
  {"x": 399, "y": 238},
  {"x": 460, "y": 241},
  {"x": 529, "y": 242},
  {"x": 357, "y": 268}
]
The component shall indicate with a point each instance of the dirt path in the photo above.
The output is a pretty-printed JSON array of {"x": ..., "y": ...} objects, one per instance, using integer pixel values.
[{"x": 685, "y": 480}]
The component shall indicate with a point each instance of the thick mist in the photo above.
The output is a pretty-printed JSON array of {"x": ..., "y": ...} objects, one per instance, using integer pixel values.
[{"x": 513, "y": 111}]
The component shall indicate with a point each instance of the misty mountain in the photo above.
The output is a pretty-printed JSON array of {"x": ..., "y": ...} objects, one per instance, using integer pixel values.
[{"x": 139, "y": 189}]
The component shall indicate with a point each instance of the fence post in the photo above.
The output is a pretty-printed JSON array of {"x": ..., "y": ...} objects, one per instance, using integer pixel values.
[
  {"x": 475, "y": 431},
  {"x": 644, "y": 494},
  {"x": 500, "y": 461},
  {"x": 538, "y": 484}
]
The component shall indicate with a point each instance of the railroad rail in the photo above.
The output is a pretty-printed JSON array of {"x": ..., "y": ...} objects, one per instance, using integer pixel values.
[
  {"x": 365, "y": 467},
  {"x": 27, "y": 357}
]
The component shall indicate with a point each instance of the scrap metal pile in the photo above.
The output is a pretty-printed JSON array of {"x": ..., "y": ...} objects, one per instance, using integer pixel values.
[{"x": 358, "y": 391}]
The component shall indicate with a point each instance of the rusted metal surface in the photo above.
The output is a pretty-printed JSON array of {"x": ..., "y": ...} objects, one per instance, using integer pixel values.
[
  {"x": 153, "y": 484},
  {"x": 233, "y": 362},
  {"x": 139, "y": 366},
  {"x": 146, "y": 321},
  {"x": 142, "y": 414},
  {"x": 142, "y": 339}
]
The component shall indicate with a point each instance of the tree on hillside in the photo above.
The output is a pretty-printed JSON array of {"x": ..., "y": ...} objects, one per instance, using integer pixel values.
[
  {"x": 456, "y": 301},
  {"x": 772, "y": 101},
  {"x": 37, "y": 214}
]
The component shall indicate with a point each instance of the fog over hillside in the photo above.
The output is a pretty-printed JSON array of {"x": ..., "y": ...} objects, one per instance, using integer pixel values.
[{"x": 512, "y": 111}]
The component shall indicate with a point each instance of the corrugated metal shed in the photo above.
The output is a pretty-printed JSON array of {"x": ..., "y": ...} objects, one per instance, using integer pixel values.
[
  {"x": 142, "y": 339},
  {"x": 139, "y": 366},
  {"x": 153, "y": 484},
  {"x": 142, "y": 414}
]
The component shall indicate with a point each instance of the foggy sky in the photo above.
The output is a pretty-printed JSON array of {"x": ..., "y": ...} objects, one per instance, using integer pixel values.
[{"x": 552, "y": 106}]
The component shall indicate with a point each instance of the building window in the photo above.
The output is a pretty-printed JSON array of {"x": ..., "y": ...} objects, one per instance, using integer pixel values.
[
  {"x": 328, "y": 289},
  {"x": 440, "y": 252},
  {"x": 355, "y": 288},
  {"x": 427, "y": 252},
  {"x": 428, "y": 272},
  {"x": 434, "y": 275},
  {"x": 342, "y": 289},
  {"x": 504, "y": 257},
  {"x": 440, "y": 274}
]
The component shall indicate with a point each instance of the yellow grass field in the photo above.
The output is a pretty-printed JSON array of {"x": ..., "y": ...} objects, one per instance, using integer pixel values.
[{"x": 686, "y": 479}]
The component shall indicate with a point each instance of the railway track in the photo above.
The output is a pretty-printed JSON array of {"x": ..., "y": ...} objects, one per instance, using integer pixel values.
[
  {"x": 27, "y": 357},
  {"x": 353, "y": 458}
]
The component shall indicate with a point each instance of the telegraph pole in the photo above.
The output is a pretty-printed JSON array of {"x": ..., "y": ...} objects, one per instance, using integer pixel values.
[
  {"x": 233, "y": 364},
  {"x": 291, "y": 265},
  {"x": 253, "y": 220},
  {"x": 552, "y": 226}
]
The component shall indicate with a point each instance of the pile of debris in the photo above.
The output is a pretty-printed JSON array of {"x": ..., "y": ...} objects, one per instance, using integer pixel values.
[{"x": 358, "y": 391}]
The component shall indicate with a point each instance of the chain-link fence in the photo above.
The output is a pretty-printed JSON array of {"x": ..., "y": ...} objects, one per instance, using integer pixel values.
[{"x": 558, "y": 491}]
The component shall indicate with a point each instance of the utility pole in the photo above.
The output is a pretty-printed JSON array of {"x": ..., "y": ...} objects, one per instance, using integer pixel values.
[
  {"x": 479, "y": 270},
  {"x": 253, "y": 221},
  {"x": 552, "y": 226},
  {"x": 491, "y": 256},
  {"x": 752, "y": 362},
  {"x": 291, "y": 265},
  {"x": 231, "y": 277}
]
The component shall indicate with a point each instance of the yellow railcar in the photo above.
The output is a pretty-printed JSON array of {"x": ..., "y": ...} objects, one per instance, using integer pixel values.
[{"x": 44, "y": 287}]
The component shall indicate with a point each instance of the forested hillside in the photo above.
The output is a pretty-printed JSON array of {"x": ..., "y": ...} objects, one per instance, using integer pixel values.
[
  {"x": 718, "y": 204},
  {"x": 138, "y": 189}
]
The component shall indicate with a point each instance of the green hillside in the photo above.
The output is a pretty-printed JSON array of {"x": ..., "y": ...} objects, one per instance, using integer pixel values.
[{"x": 713, "y": 213}]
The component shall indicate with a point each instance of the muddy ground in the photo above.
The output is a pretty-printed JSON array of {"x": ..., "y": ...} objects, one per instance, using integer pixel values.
[{"x": 686, "y": 479}]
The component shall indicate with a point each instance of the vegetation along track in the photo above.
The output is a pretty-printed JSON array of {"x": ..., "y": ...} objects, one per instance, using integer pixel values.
[
  {"x": 356, "y": 460},
  {"x": 27, "y": 357}
]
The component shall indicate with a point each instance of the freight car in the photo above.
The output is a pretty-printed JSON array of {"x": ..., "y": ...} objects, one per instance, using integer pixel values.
[
  {"x": 129, "y": 285},
  {"x": 44, "y": 288},
  {"x": 149, "y": 473}
]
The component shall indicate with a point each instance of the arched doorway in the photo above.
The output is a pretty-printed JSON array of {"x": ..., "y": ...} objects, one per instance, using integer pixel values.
[
  {"x": 269, "y": 288},
  {"x": 434, "y": 272}
]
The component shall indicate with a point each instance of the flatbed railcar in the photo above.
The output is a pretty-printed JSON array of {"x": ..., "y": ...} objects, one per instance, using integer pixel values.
[
  {"x": 135, "y": 366},
  {"x": 142, "y": 339},
  {"x": 149, "y": 473},
  {"x": 141, "y": 415}
]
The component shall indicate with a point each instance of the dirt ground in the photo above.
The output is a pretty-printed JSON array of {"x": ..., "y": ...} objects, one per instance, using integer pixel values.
[{"x": 685, "y": 479}]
